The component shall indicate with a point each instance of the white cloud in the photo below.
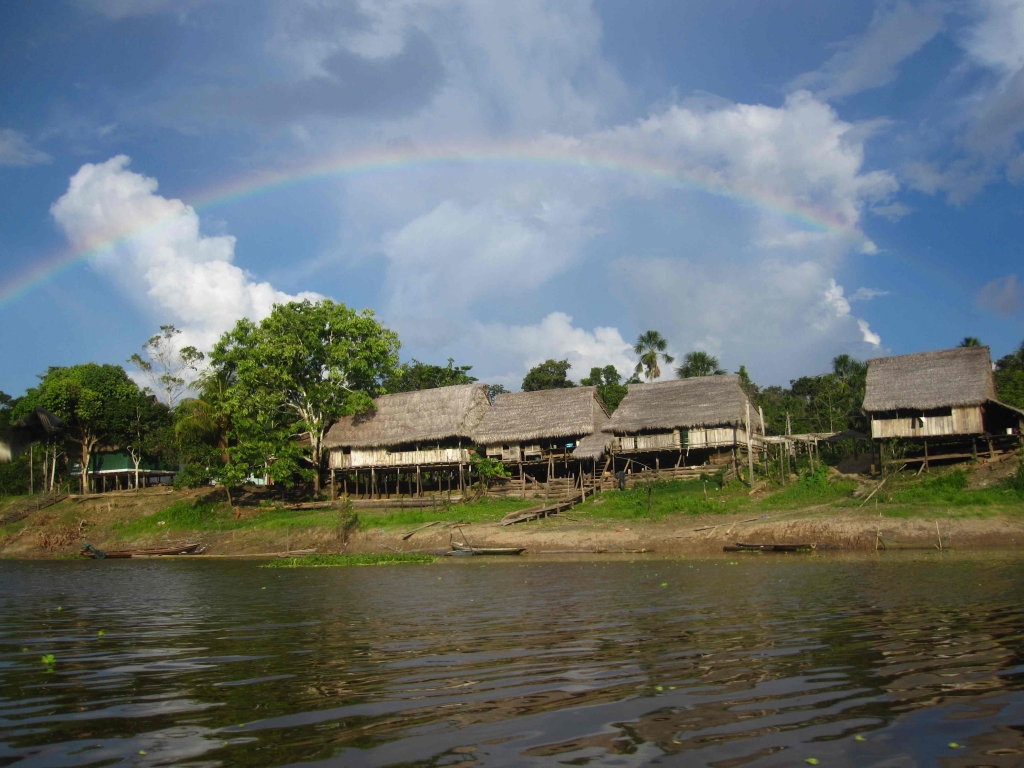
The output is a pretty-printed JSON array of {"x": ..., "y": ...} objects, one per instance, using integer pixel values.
[
  {"x": 799, "y": 156},
  {"x": 520, "y": 347},
  {"x": 866, "y": 294},
  {"x": 897, "y": 31},
  {"x": 996, "y": 40},
  {"x": 893, "y": 212},
  {"x": 1002, "y": 296},
  {"x": 152, "y": 245},
  {"x": 868, "y": 336},
  {"x": 15, "y": 150}
]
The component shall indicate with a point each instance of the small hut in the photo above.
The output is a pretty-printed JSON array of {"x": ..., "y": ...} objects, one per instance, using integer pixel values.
[
  {"x": 946, "y": 397},
  {"x": 679, "y": 423},
  {"x": 387, "y": 450},
  {"x": 541, "y": 429}
]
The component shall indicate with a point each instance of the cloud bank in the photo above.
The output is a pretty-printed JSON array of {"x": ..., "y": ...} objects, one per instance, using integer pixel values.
[{"x": 152, "y": 247}]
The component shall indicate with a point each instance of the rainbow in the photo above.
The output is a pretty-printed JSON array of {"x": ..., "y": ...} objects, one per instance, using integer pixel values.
[{"x": 559, "y": 155}]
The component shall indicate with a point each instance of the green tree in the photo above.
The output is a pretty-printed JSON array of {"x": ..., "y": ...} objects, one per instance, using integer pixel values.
[
  {"x": 493, "y": 390},
  {"x": 1009, "y": 376},
  {"x": 970, "y": 341},
  {"x": 299, "y": 370},
  {"x": 166, "y": 366},
  {"x": 651, "y": 347},
  {"x": 698, "y": 364},
  {"x": 609, "y": 387},
  {"x": 414, "y": 375},
  {"x": 143, "y": 428},
  {"x": 93, "y": 400},
  {"x": 551, "y": 374}
]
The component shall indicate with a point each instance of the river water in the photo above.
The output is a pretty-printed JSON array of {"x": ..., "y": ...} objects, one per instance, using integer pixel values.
[{"x": 760, "y": 660}]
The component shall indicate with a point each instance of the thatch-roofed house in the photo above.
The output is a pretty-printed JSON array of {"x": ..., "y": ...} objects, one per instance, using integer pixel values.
[
  {"x": 948, "y": 393},
  {"x": 707, "y": 414},
  {"x": 427, "y": 429},
  {"x": 540, "y": 427}
]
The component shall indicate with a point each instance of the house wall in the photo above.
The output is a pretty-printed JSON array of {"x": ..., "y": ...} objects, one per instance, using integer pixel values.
[
  {"x": 961, "y": 421},
  {"x": 713, "y": 437},
  {"x": 360, "y": 458},
  {"x": 525, "y": 452}
]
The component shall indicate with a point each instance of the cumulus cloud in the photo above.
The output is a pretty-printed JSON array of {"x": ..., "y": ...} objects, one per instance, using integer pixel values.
[
  {"x": 897, "y": 31},
  {"x": 1002, "y": 296},
  {"x": 152, "y": 245},
  {"x": 15, "y": 150},
  {"x": 520, "y": 347}
]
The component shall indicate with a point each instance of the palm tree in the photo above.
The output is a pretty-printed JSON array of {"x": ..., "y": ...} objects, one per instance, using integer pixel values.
[
  {"x": 970, "y": 341},
  {"x": 698, "y": 364},
  {"x": 651, "y": 345}
]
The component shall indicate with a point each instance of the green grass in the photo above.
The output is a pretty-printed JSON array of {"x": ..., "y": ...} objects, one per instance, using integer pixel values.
[
  {"x": 482, "y": 511},
  {"x": 203, "y": 516},
  {"x": 671, "y": 497},
  {"x": 810, "y": 490},
  {"x": 949, "y": 489},
  {"x": 336, "y": 561}
]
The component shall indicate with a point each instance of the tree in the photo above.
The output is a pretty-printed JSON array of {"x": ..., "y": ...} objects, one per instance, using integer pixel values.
[
  {"x": 493, "y": 390},
  {"x": 414, "y": 375},
  {"x": 551, "y": 374},
  {"x": 609, "y": 387},
  {"x": 1009, "y": 376},
  {"x": 970, "y": 341},
  {"x": 649, "y": 348},
  {"x": 167, "y": 364},
  {"x": 303, "y": 367},
  {"x": 698, "y": 364},
  {"x": 142, "y": 428},
  {"x": 93, "y": 401}
]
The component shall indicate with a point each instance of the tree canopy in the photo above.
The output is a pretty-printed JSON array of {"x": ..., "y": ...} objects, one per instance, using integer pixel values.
[
  {"x": 650, "y": 347},
  {"x": 414, "y": 375},
  {"x": 1009, "y": 376},
  {"x": 609, "y": 387},
  {"x": 296, "y": 372},
  {"x": 551, "y": 374},
  {"x": 698, "y": 364}
]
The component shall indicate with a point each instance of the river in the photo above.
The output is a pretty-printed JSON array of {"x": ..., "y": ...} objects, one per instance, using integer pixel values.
[{"x": 766, "y": 660}]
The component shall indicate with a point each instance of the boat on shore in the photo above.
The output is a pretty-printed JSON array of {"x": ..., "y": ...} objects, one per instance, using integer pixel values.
[
  {"x": 467, "y": 549},
  {"x": 123, "y": 554}
]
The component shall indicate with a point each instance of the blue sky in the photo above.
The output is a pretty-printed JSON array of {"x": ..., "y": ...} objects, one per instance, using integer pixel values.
[{"x": 773, "y": 182}]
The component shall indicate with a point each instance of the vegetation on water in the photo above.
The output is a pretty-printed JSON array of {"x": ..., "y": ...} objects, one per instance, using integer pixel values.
[{"x": 336, "y": 561}]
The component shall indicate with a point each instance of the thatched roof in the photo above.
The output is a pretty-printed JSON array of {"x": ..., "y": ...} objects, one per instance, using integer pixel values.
[
  {"x": 413, "y": 417},
  {"x": 702, "y": 401},
  {"x": 594, "y": 446},
  {"x": 518, "y": 417},
  {"x": 948, "y": 378}
]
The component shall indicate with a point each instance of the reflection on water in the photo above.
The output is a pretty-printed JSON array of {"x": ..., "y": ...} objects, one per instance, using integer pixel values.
[{"x": 766, "y": 660}]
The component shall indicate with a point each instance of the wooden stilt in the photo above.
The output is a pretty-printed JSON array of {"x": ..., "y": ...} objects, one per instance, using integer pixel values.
[
  {"x": 925, "y": 465},
  {"x": 419, "y": 482}
]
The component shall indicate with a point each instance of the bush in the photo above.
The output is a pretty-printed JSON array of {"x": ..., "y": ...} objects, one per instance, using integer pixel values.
[
  {"x": 193, "y": 476},
  {"x": 1015, "y": 482}
]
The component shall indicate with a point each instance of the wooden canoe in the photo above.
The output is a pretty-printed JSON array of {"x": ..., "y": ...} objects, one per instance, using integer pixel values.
[
  {"x": 121, "y": 554},
  {"x": 741, "y": 547},
  {"x": 466, "y": 549}
]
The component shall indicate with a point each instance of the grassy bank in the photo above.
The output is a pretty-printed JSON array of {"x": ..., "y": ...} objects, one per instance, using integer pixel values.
[{"x": 158, "y": 516}]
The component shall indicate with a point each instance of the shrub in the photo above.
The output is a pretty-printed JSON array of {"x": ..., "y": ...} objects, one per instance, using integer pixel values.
[{"x": 193, "y": 476}]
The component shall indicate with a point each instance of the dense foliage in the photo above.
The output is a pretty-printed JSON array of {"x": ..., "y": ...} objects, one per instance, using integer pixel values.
[
  {"x": 551, "y": 374},
  {"x": 414, "y": 375},
  {"x": 609, "y": 385}
]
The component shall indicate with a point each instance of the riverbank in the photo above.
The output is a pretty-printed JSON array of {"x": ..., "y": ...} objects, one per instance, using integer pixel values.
[{"x": 961, "y": 509}]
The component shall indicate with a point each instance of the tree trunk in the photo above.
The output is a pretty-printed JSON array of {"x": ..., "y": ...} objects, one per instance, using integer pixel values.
[{"x": 85, "y": 466}]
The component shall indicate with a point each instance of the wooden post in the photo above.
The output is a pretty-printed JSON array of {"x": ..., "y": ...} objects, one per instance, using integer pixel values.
[
  {"x": 926, "y": 456},
  {"x": 991, "y": 451},
  {"x": 522, "y": 478},
  {"x": 419, "y": 483},
  {"x": 750, "y": 452},
  {"x": 31, "y": 479},
  {"x": 373, "y": 482}
]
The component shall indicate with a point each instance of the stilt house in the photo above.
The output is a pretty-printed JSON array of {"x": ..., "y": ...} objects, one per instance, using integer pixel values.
[
  {"x": 945, "y": 396},
  {"x": 684, "y": 422},
  {"x": 541, "y": 428},
  {"x": 387, "y": 450}
]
